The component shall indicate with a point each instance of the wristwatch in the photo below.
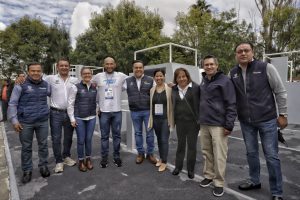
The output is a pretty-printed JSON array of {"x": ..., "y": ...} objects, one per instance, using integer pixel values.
[{"x": 283, "y": 115}]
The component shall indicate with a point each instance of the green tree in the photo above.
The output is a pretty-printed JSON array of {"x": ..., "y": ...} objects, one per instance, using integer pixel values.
[
  {"x": 31, "y": 40},
  {"x": 279, "y": 22},
  {"x": 119, "y": 32},
  {"x": 212, "y": 34}
]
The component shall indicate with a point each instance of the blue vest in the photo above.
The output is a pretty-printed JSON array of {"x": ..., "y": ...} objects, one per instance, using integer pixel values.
[
  {"x": 33, "y": 105},
  {"x": 139, "y": 100},
  {"x": 258, "y": 103},
  {"x": 85, "y": 102}
]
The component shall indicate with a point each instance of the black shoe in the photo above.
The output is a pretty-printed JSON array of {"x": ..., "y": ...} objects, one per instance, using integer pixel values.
[
  {"x": 206, "y": 182},
  {"x": 277, "y": 198},
  {"x": 249, "y": 186},
  {"x": 104, "y": 163},
  {"x": 26, "y": 177},
  {"x": 118, "y": 162},
  {"x": 218, "y": 191},
  {"x": 191, "y": 174},
  {"x": 176, "y": 171},
  {"x": 44, "y": 171}
]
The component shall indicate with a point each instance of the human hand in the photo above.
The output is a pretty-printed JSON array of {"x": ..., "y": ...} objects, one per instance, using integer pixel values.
[
  {"x": 282, "y": 121},
  {"x": 74, "y": 124},
  {"x": 20, "y": 80},
  {"x": 18, "y": 127},
  {"x": 226, "y": 132}
]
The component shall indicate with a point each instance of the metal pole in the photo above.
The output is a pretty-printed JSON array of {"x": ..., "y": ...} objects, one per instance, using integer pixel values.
[
  {"x": 170, "y": 53},
  {"x": 134, "y": 55},
  {"x": 196, "y": 58}
]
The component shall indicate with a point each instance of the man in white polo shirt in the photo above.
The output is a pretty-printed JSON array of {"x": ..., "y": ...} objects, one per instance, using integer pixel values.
[
  {"x": 109, "y": 84},
  {"x": 60, "y": 85}
]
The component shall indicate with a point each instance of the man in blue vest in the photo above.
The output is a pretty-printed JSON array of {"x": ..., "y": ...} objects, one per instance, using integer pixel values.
[
  {"x": 259, "y": 90},
  {"x": 28, "y": 111},
  {"x": 138, "y": 89}
]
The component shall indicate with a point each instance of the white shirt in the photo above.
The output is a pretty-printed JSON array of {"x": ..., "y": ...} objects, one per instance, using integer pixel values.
[
  {"x": 113, "y": 82},
  {"x": 184, "y": 90},
  {"x": 59, "y": 90}
]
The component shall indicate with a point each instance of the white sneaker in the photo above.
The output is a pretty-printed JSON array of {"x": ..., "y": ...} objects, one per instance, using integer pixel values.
[
  {"x": 59, "y": 167},
  {"x": 69, "y": 161}
]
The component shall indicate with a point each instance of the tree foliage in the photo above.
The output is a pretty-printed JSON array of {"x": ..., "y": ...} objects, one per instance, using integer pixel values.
[
  {"x": 280, "y": 21},
  {"x": 212, "y": 34},
  {"x": 119, "y": 32},
  {"x": 30, "y": 40}
]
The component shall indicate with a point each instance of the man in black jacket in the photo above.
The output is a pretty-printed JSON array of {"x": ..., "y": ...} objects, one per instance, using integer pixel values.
[{"x": 217, "y": 115}]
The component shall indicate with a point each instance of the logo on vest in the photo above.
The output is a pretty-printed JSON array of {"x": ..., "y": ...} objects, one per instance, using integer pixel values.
[
  {"x": 235, "y": 75},
  {"x": 256, "y": 72},
  {"x": 29, "y": 88},
  {"x": 147, "y": 83}
]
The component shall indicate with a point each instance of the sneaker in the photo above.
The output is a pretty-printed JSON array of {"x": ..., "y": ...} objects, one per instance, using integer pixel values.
[
  {"x": 26, "y": 177},
  {"x": 118, "y": 162},
  {"x": 104, "y": 163},
  {"x": 59, "y": 167},
  {"x": 69, "y": 161},
  {"x": 44, "y": 171},
  {"x": 218, "y": 191},
  {"x": 205, "y": 182}
]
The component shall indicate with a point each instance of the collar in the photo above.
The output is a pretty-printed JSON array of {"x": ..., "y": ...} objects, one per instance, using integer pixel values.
[
  {"x": 139, "y": 78},
  {"x": 186, "y": 87}
]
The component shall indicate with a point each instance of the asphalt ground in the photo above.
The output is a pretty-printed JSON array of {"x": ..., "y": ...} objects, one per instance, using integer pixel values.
[{"x": 132, "y": 181}]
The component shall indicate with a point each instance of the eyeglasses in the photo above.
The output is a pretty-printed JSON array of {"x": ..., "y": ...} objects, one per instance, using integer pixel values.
[{"x": 243, "y": 50}]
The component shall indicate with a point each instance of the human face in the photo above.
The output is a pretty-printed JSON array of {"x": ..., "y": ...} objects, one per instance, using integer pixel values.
[
  {"x": 244, "y": 54},
  {"x": 22, "y": 76},
  {"x": 109, "y": 65},
  {"x": 138, "y": 69},
  {"x": 63, "y": 68},
  {"x": 35, "y": 72},
  {"x": 210, "y": 67},
  {"x": 159, "y": 78},
  {"x": 86, "y": 75},
  {"x": 182, "y": 79}
]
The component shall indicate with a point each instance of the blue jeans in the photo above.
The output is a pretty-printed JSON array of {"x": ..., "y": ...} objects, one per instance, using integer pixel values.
[
  {"x": 111, "y": 120},
  {"x": 26, "y": 138},
  {"x": 162, "y": 132},
  {"x": 59, "y": 120},
  {"x": 138, "y": 118},
  {"x": 269, "y": 140},
  {"x": 84, "y": 130}
]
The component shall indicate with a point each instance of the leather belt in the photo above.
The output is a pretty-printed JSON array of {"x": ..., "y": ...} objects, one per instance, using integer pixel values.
[{"x": 57, "y": 109}]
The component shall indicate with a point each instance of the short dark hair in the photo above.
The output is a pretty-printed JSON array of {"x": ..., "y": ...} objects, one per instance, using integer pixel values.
[
  {"x": 83, "y": 68},
  {"x": 21, "y": 72},
  {"x": 33, "y": 63},
  {"x": 159, "y": 70},
  {"x": 244, "y": 42},
  {"x": 137, "y": 61},
  {"x": 208, "y": 57},
  {"x": 176, "y": 73},
  {"x": 63, "y": 59}
]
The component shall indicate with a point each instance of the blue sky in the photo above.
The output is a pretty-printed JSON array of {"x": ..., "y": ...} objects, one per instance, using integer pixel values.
[{"x": 75, "y": 14}]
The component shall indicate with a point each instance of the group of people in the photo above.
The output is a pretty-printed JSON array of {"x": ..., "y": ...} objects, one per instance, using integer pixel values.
[{"x": 253, "y": 91}]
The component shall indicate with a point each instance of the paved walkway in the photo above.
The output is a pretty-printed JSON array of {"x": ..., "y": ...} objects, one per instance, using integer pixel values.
[{"x": 137, "y": 182}]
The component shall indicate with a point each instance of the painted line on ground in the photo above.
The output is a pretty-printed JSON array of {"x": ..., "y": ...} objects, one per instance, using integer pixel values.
[
  {"x": 280, "y": 146},
  {"x": 12, "y": 178},
  {"x": 197, "y": 178}
]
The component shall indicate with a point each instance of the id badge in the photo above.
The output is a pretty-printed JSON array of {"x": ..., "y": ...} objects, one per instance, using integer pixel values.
[
  {"x": 108, "y": 94},
  {"x": 158, "y": 109}
]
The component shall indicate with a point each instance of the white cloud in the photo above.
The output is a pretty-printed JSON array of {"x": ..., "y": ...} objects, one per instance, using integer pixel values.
[
  {"x": 2, "y": 26},
  {"x": 80, "y": 19}
]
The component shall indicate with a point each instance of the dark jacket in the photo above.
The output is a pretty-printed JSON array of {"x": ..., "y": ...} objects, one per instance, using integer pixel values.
[
  {"x": 217, "y": 101},
  {"x": 257, "y": 104},
  {"x": 32, "y": 106},
  {"x": 85, "y": 102},
  {"x": 139, "y": 100},
  {"x": 194, "y": 90}
]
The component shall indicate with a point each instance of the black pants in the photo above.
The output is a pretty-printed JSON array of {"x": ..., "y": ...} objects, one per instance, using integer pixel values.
[{"x": 187, "y": 133}]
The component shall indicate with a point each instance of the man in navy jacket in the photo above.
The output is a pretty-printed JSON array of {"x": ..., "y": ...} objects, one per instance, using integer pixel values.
[{"x": 217, "y": 116}]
